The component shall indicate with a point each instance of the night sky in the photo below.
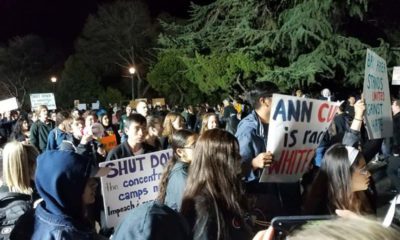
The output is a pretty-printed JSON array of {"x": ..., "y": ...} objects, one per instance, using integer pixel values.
[{"x": 61, "y": 21}]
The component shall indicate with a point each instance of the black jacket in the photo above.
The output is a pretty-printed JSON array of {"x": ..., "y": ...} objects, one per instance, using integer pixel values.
[
  {"x": 201, "y": 215},
  {"x": 124, "y": 150}
]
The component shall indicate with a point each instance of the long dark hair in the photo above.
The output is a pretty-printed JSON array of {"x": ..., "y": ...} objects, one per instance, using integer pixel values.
[
  {"x": 215, "y": 174},
  {"x": 334, "y": 178},
  {"x": 179, "y": 140},
  {"x": 18, "y": 128}
]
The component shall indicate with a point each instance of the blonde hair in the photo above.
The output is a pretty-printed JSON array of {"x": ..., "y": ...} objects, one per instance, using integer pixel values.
[
  {"x": 168, "y": 127},
  {"x": 204, "y": 122},
  {"x": 18, "y": 166},
  {"x": 358, "y": 228}
]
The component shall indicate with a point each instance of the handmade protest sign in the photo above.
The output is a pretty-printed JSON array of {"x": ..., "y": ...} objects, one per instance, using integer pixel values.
[
  {"x": 43, "y": 99},
  {"x": 296, "y": 127},
  {"x": 396, "y": 76},
  {"x": 131, "y": 181},
  {"x": 378, "y": 113},
  {"x": 8, "y": 105}
]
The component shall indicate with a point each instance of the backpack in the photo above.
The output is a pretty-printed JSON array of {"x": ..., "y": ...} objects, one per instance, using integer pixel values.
[{"x": 12, "y": 206}]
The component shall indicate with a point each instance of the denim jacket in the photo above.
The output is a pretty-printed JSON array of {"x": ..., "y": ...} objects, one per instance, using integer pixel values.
[{"x": 252, "y": 136}]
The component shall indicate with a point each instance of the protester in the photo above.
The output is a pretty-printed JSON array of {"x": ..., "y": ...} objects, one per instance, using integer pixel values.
[
  {"x": 252, "y": 133},
  {"x": 135, "y": 129},
  {"x": 122, "y": 121},
  {"x": 340, "y": 183},
  {"x": 210, "y": 121},
  {"x": 21, "y": 130},
  {"x": 19, "y": 162},
  {"x": 173, "y": 180},
  {"x": 350, "y": 107},
  {"x": 64, "y": 181},
  {"x": 142, "y": 109},
  {"x": 90, "y": 119},
  {"x": 6, "y": 125},
  {"x": 343, "y": 177},
  {"x": 41, "y": 128},
  {"x": 109, "y": 128},
  {"x": 172, "y": 123},
  {"x": 60, "y": 132},
  {"x": 214, "y": 202},
  {"x": 396, "y": 127},
  {"x": 229, "y": 110},
  {"x": 154, "y": 131}
]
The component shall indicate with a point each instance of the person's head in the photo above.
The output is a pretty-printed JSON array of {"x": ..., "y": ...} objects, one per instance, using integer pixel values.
[
  {"x": 22, "y": 125},
  {"x": 141, "y": 108},
  {"x": 33, "y": 116},
  {"x": 75, "y": 113},
  {"x": 209, "y": 121},
  {"x": 299, "y": 93},
  {"x": 396, "y": 107},
  {"x": 104, "y": 119},
  {"x": 261, "y": 95},
  {"x": 135, "y": 128},
  {"x": 42, "y": 113},
  {"x": 351, "y": 100},
  {"x": 226, "y": 102},
  {"x": 63, "y": 180},
  {"x": 128, "y": 110},
  {"x": 78, "y": 124},
  {"x": 182, "y": 143},
  {"x": 216, "y": 170},
  {"x": 90, "y": 118},
  {"x": 346, "y": 174},
  {"x": 345, "y": 228},
  {"x": 154, "y": 126},
  {"x": 53, "y": 116},
  {"x": 19, "y": 161},
  {"x": 172, "y": 123}
]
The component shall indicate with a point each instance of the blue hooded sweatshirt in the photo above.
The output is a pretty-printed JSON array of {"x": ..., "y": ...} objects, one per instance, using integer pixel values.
[{"x": 61, "y": 177}]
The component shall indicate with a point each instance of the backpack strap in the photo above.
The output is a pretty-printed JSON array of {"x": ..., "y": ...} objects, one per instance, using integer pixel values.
[{"x": 6, "y": 196}]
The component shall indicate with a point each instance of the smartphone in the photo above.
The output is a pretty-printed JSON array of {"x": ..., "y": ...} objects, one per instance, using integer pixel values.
[{"x": 284, "y": 226}]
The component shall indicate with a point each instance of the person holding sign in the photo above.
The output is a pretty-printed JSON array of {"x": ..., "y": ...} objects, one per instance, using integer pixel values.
[
  {"x": 343, "y": 177},
  {"x": 135, "y": 129},
  {"x": 173, "y": 180},
  {"x": 252, "y": 133}
]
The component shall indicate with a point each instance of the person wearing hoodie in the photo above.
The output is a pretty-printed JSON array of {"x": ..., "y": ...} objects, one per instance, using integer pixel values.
[{"x": 64, "y": 180}]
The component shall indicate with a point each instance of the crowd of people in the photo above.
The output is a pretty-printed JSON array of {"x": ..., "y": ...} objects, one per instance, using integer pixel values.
[{"x": 209, "y": 189}]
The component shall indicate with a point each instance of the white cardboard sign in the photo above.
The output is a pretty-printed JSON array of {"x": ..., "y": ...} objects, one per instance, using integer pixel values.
[
  {"x": 8, "y": 105},
  {"x": 396, "y": 76},
  {"x": 132, "y": 181},
  {"x": 378, "y": 113},
  {"x": 43, "y": 99},
  {"x": 296, "y": 127}
]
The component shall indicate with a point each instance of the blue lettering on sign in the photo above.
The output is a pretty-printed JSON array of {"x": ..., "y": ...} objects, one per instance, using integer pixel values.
[
  {"x": 159, "y": 159},
  {"x": 296, "y": 109},
  {"x": 126, "y": 166}
]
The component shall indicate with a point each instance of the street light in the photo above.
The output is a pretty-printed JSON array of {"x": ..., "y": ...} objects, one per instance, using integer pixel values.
[
  {"x": 53, "y": 79},
  {"x": 132, "y": 71}
]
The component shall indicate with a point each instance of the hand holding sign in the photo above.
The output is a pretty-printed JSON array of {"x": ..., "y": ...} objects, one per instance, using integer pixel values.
[
  {"x": 262, "y": 160},
  {"x": 359, "y": 109}
]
